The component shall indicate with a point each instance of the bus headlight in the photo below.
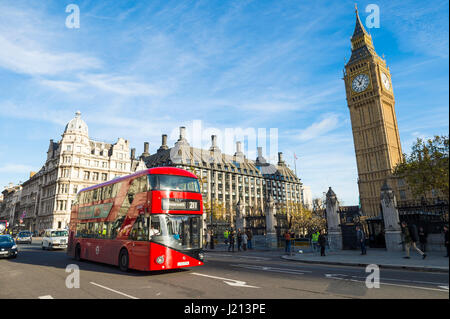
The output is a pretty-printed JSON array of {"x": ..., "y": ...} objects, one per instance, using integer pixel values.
[{"x": 160, "y": 260}]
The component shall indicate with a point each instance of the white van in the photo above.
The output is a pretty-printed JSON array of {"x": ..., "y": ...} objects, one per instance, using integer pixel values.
[{"x": 55, "y": 238}]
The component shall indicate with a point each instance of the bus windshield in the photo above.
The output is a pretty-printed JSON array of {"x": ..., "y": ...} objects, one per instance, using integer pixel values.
[
  {"x": 180, "y": 232},
  {"x": 174, "y": 183}
]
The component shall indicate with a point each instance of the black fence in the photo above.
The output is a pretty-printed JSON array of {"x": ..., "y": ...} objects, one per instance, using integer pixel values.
[{"x": 431, "y": 216}]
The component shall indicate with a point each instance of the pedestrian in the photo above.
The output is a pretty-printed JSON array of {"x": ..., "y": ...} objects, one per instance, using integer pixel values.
[
  {"x": 239, "y": 239},
  {"x": 244, "y": 241},
  {"x": 226, "y": 233},
  {"x": 287, "y": 240},
  {"x": 361, "y": 238},
  {"x": 410, "y": 237},
  {"x": 423, "y": 239},
  {"x": 314, "y": 240},
  {"x": 322, "y": 241},
  {"x": 211, "y": 243},
  {"x": 208, "y": 238},
  {"x": 446, "y": 237},
  {"x": 231, "y": 240},
  {"x": 249, "y": 239}
]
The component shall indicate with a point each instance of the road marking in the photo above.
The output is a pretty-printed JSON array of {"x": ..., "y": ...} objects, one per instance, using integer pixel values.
[
  {"x": 231, "y": 282},
  {"x": 46, "y": 297},
  {"x": 274, "y": 269},
  {"x": 443, "y": 287},
  {"x": 117, "y": 292},
  {"x": 333, "y": 276},
  {"x": 238, "y": 256}
]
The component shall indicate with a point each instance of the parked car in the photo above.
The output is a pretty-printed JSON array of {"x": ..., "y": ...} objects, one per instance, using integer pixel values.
[
  {"x": 24, "y": 237},
  {"x": 8, "y": 247},
  {"x": 55, "y": 239}
]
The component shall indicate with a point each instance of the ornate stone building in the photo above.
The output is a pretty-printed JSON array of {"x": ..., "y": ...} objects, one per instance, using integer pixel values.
[
  {"x": 227, "y": 180},
  {"x": 73, "y": 163},
  {"x": 370, "y": 99}
]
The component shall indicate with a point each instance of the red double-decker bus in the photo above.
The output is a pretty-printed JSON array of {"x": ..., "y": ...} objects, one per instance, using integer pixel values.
[{"x": 150, "y": 220}]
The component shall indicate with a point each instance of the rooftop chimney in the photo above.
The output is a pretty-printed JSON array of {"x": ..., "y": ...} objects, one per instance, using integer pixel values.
[
  {"x": 133, "y": 153},
  {"x": 146, "y": 153},
  {"x": 182, "y": 133},
  {"x": 280, "y": 158},
  {"x": 163, "y": 143},
  {"x": 214, "y": 143}
]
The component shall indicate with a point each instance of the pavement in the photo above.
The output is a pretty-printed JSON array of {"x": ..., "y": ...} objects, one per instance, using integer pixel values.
[{"x": 434, "y": 262}]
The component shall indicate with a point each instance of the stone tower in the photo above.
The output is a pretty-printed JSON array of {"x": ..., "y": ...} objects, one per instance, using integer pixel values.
[{"x": 371, "y": 102}]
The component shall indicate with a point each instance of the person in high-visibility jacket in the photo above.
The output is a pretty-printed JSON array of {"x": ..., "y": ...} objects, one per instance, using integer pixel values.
[
  {"x": 315, "y": 240},
  {"x": 226, "y": 233}
]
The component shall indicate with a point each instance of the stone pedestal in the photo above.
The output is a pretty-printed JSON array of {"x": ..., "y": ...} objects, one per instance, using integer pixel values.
[
  {"x": 335, "y": 240},
  {"x": 271, "y": 241},
  {"x": 393, "y": 234},
  {"x": 334, "y": 229},
  {"x": 393, "y": 240}
]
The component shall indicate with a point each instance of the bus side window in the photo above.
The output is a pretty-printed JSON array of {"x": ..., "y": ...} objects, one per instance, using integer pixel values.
[{"x": 139, "y": 231}]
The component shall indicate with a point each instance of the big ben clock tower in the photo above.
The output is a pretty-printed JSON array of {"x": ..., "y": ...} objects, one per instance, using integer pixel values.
[{"x": 370, "y": 99}]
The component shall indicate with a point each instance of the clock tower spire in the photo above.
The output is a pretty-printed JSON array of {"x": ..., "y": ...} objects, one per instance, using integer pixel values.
[{"x": 371, "y": 102}]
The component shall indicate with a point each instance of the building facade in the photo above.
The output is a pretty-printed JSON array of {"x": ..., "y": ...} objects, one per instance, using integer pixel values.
[
  {"x": 230, "y": 180},
  {"x": 73, "y": 163},
  {"x": 370, "y": 99},
  {"x": 10, "y": 205}
]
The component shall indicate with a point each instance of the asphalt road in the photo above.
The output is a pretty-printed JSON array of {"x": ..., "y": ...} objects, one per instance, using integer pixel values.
[{"x": 256, "y": 275}]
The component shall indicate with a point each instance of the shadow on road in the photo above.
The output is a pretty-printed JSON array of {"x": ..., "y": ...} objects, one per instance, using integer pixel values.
[{"x": 34, "y": 255}]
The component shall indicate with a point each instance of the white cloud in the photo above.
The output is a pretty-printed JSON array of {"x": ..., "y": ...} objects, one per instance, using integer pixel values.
[
  {"x": 327, "y": 124},
  {"x": 16, "y": 168}
]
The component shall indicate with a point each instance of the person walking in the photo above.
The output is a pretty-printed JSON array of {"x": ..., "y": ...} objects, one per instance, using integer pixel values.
[
  {"x": 208, "y": 238},
  {"x": 239, "y": 239},
  {"x": 231, "y": 240},
  {"x": 446, "y": 237},
  {"x": 244, "y": 241},
  {"x": 287, "y": 240},
  {"x": 211, "y": 244},
  {"x": 423, "y": 239},
  {"x": 322, "y": 241},
  {"x": 249, "y": 239},
  {"x": 361, "y": 238},
  {"x": 410, "y": 237}
]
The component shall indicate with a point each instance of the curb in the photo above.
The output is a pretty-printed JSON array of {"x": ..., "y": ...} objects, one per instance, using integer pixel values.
[{"x": 414, "y": 268}]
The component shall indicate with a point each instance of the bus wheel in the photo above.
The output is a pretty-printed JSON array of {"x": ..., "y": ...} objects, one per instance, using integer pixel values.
[
  {"x": 123, "y": 260},
  {"x": 78, "y": 253}
]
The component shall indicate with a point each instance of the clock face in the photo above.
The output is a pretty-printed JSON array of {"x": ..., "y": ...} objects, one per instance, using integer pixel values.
[
  {"x": 360, "y": 83},
  {"x": 385, "y": 80}
]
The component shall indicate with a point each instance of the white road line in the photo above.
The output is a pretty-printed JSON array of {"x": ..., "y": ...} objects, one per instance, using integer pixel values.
[
  {"x": 117, "y": 292},
  {"x": 237, "y": 256},
  {"x": 231, "y": 282},
  {"x": 46, "y": 297},
  {"x": 384, "y": 283},
  {"x": 274, "y": 269}
]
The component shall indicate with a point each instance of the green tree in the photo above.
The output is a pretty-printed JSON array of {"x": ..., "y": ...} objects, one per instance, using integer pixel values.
[{"x": 426, "y": 168}]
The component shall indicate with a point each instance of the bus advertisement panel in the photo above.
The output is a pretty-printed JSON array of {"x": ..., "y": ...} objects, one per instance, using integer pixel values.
[{"x": 150, "y": 220}]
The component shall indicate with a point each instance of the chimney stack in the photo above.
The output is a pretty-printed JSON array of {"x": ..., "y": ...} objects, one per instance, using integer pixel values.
[
  {"x": 146, "y": 153},
  {"x": 280, "y": 158},
  {"x": 182, "y": 133},
  {"x": 163, "y": 143},
  {"x": 133, "y": 153}
]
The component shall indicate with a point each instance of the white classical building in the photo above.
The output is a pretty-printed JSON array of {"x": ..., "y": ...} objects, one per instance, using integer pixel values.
[
  {"x": 73, "y": 163},
  {"x": 307, "y": 199}
]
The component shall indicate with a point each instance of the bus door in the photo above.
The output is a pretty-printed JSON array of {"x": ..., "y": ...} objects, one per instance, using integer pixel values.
[{"x": 140, "y": 246}]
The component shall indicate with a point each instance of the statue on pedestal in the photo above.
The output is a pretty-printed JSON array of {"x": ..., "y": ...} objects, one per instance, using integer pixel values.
[
  {"x": 270, "y": 215},
  {"x": 332, "y": 211},
  {"x": 240, "y": 211},
  {"x": 391, "y": 218},
  {"x": 333, "y": 220}
]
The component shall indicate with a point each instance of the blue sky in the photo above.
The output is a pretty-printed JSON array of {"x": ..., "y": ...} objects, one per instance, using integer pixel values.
[{"x": 138, "y": 69}]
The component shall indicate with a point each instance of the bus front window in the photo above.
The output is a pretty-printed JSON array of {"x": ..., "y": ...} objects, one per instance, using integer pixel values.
[{"x": 180, "y": 232}]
